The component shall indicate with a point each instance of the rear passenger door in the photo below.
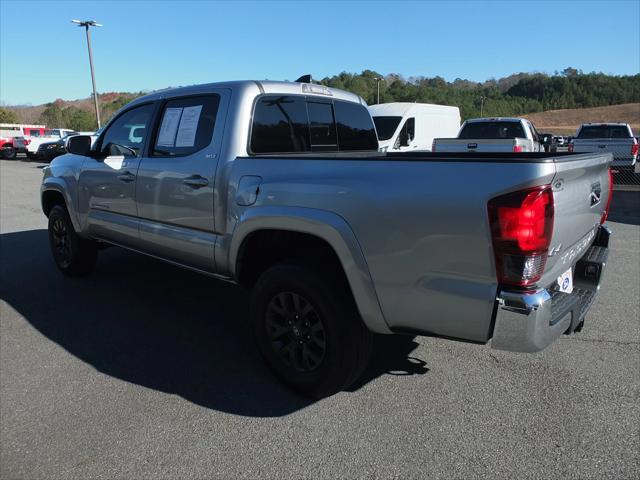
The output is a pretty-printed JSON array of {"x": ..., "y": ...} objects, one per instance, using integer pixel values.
[{"x": 175, "y": 188}]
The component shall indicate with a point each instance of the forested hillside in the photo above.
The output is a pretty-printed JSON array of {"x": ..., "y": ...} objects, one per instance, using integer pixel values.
[{"x": 513, "y": 95}]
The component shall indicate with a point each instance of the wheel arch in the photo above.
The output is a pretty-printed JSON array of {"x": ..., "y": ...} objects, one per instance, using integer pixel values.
[{"x": 322, "y": 229}]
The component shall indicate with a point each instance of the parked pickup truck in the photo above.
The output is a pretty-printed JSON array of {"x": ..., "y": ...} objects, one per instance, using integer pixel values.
[
  {"x": 614, "y": 138},
  {"x": 494, "y": 135},
  {"x": 49, "y": 135},
  {"x": 279, "y": 187}
]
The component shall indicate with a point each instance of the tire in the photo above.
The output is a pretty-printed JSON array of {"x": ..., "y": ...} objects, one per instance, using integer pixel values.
[
  {"x": 73, "y": 255},
  {"x": 308, "y": 329},
  {"x": 9, "y": 153}
]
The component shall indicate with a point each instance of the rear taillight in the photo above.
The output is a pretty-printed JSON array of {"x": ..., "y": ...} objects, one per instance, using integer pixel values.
[
  {"x": 521, "y": 228},
  {"x": 605, "y": 214},
  {"x": 570, "y": 148},
  {"x": 26, "y": 141},
  {"x": 634, "y": 149},
  {"x": 517, "y": 148}
]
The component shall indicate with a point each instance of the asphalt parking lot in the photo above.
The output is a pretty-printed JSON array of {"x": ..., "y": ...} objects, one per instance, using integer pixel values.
[{"x": 146, "y": 370}]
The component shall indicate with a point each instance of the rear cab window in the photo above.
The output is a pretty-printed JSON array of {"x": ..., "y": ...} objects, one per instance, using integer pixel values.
[
  {"x": 492, "y": 130},
  {"x": 604, "y": 131},
  {"x": 298, "y": 123}
]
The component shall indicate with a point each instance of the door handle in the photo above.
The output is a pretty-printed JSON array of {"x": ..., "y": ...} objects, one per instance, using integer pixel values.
[
  {"x": 196, "y": 181},
  {"x": 127, "y": 177}
]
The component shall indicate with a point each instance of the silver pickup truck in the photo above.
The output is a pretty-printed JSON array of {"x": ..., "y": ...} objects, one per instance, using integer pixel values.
[
  {"x": 614, "y": 138},
  {"x": 278, "y": 187},
  {"x": 494, "y": 135}
]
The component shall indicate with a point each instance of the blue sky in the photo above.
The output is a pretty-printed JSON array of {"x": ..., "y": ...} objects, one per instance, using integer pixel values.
[{"x": 146, "y": 45}]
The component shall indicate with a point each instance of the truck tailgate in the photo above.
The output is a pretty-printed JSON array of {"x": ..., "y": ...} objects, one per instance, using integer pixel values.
[
  {"x": 620, "y": 148},
  {"x": 580, "y": 191},
  {"x": 480, "y": 145}
]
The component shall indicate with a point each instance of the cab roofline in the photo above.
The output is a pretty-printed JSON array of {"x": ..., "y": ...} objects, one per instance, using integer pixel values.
[{"x": 263, "y": 86}]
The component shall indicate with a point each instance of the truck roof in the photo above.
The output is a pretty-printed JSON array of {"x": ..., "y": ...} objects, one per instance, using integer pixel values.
[
  {"x": 495, "y": 119},
  {"x": 400, "y": 109},
  {"x": 598, "y": 124},
  {"x": 261, "y": 86}
]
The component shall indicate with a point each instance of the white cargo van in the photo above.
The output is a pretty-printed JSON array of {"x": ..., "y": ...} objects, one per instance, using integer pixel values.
[{"x": 405, "y": 127}]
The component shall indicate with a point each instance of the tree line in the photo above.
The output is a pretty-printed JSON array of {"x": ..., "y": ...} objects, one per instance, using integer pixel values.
[
  {"x": 514, "y": 95},
  {"x": 510, "y": 96}
]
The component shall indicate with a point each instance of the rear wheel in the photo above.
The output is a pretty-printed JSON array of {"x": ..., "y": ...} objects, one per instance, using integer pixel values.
[
  {"x": 308, "y": 329},
  {"x": 73, "y": 255}
]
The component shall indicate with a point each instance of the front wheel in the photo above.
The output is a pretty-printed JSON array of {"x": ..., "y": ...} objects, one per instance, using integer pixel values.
[
  {"x": 308, "y": 329},
  {"x": 73, "y": 255},
  {"x": 9, "y": 153}
]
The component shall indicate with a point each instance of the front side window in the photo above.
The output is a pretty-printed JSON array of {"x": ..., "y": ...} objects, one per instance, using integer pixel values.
[
  {"x": 407, "y": 133},
  {"x": 322, "y": 126},
  {"x": 186, "y": 125},
  {"x": 126, "y": 135},
  {"x": 355, "y": 127}
]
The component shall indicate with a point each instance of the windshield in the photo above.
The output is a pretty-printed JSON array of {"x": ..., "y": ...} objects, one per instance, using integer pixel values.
[
  {"x": 52, "y": 133},
  {"x": 492, "y": 130},
  {"x": 386, "y": 126},
  {"x": 605, "y": 131}
]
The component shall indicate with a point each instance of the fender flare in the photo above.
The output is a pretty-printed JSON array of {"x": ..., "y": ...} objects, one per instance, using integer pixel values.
[
  {"x": 329, "y": 227},
  {"x": 58, "y": 185}
]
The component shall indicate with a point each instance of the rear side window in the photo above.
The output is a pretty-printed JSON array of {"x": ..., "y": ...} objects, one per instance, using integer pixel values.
[
  {"x": 355, "y": 128},
  {"x": 295, "y": 123},
  {"x": 186, "y": 125},
  {"x": 604, "y": 131},
  {"x": 280, "y": 125},
  {"x": 492, "y": 130}
]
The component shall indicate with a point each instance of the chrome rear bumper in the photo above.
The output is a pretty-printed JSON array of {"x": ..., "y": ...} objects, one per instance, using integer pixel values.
[{"x": 530, "y": 321}]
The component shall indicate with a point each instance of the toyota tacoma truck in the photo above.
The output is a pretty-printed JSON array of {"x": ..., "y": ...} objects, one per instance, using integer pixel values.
[
  {"x": 279, "y": 187},
  {"x": 495, "y": 135}
]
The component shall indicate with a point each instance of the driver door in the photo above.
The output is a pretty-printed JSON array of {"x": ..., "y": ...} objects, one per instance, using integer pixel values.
[{"x": 107, "y": 184}]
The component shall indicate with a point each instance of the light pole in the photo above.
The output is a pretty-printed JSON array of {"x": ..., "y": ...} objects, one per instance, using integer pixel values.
[
  {"x": 86, "y": 24},
  {"x": 482, "y": 99},
  {"x": 378, "y": 80}
]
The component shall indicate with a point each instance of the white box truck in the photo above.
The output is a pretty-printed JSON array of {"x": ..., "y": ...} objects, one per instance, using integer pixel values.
[{"x": 405, "y": 127}]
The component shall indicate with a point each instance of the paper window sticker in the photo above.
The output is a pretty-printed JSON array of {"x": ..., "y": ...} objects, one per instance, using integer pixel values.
[
  {"x": 169, "y": 127},
  {"x": 188, "y": 128}
]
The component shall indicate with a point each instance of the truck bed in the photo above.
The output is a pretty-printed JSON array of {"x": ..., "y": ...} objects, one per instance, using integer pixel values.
[{"x": 421, "y": 220}]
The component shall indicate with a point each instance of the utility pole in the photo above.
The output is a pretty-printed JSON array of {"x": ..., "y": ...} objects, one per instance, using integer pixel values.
[{"x": 86, "y": 24}]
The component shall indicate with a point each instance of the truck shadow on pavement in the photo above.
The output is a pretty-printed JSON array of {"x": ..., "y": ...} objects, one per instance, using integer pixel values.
[{"x": 162, "y": 327}]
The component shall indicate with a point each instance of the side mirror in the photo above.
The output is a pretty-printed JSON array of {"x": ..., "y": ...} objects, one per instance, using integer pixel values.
[{"x": 79, "y": 145}]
